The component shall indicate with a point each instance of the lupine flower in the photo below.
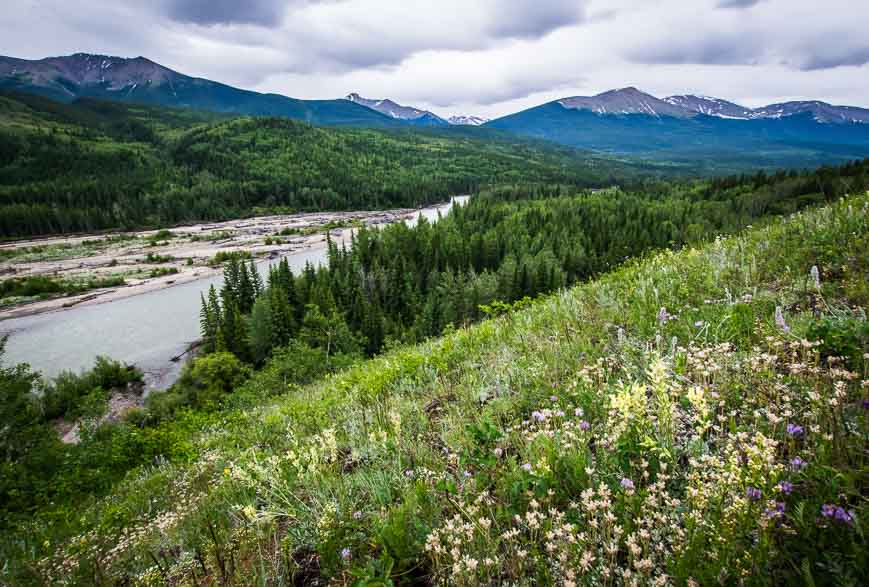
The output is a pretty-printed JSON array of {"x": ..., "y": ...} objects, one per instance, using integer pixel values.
[
  {"x": 777, "y": 511},
  {"x": 627, "y": 484},
  {"x": 345, "y": 554},
  {"x": 786, "y": 487},
  {"x": 795, "y": 430},
  {"x": 780, "y": 320},
  {"x": 584, "y": 425},
  {"x": 797, "y": 463},
  {"x": 663, "y": 316},
  {"x": 753, "y": 493},
  {"x": 838, "y": 513}
]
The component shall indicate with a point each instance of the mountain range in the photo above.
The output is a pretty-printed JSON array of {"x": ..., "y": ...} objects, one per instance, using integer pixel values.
[
  {"x": 679, "y": 128},
  {"x": 140, "y": 80}
]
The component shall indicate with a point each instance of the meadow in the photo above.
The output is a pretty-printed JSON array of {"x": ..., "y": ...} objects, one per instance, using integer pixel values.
[{"x": 694, "y": 417}]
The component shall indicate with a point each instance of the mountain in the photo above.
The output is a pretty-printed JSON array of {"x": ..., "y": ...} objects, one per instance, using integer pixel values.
[
  {"x": 625, "y": 101},
  {"x": 408, "y": 114},
  {"x": 820, "y": 111},
  {"x": 140, "y": 80},
  {"x": 710, "y": 106},
  {"x": 467, "y": 120},
  {"x": 697, "y": 132}
]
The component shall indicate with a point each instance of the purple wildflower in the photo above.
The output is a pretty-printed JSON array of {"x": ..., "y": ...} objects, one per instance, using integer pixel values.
[
  {"x": 468, "y": 474},
  {"x": 795, "y": 430},
  {"x": 786, "y": 487},
  {"x": 777, "y": 511},
  {"x": 584, "y": 425},
  {"x": 838, "y": 513},
  {"x": 627, "y": 484},
  {"x": 560, "y": 413},
  {"x": 797, "y": 463},
  {"x": 345, "y": 554},
  {"x": 753, "y": 493},
  {"x": 357, "y": 515},
  {"x": 499, "y": 452},
  {"x": 537, "y": 415},
  {"x": 663, "y": 316},
  {"x": 780, "y": 320},
  {"x": 526, "y": 467},
  {"x": 553, "y": 398}
]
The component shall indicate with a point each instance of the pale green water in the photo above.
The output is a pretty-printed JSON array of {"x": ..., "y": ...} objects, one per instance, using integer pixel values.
[{"x": 146, "y": 330}]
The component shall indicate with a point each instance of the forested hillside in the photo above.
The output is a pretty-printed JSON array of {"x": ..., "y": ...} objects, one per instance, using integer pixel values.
[
  {"x": 692, "y": 417},
  {"x": 93, "y": 166},
  {"x": 406, "y": 284}
]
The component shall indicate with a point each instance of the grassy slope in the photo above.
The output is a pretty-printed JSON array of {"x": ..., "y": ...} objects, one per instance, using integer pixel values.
[{"x": 693, "y": 411}]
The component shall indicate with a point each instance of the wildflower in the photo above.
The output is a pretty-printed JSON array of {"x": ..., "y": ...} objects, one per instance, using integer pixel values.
[
  {"x": 584, "y": 425},
  {"x": 780, "y": 320},
  {"x": 537, "y": 415},
  {"x": 526, "y": 467},
  {"x": 553, "y": 398},
  {"x": 357, "y": 515},
  {"x": 753, "y": 493},
  {"x": 499, "y": 452},
  {"x": 776, "y": 511},
  {"x": 408, "y": 473},
  {"x": 838, "y": 513},
  {"x": 795, "y": 430},
  {"x": 578, "y": 412},
  {"x": 345, "y": 554},
  {"x": 786, "y": 487},
  {"x": 663, "y": 316},
  {"x": 797, "y": 463},
  {"x": 468, "y": 474},
  {"x": 816, "y": 277},
  {"x": 627, "y": 484},
  {"x": 699, "y": 324}
]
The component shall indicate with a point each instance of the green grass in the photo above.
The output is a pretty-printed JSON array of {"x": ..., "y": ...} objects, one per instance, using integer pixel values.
[{"x": 635, "y": 427}]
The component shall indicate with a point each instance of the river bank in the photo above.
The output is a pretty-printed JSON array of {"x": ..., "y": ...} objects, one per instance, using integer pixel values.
[
  {"x": 153, "y": 260},
  {"x": 148, "y": 324}
]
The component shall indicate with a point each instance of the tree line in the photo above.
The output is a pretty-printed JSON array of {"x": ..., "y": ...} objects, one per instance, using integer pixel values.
[{"x": 404, "y": 284}]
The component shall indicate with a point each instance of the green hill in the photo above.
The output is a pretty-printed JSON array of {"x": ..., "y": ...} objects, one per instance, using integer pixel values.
[
  {"x": 692, "y": 417},
  {"x": 94, "y": 165}
]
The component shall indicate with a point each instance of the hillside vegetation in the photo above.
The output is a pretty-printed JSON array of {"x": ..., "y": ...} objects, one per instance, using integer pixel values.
[
  {"x": 93, "y": 165},
  {"x": 697, "y": 416}
]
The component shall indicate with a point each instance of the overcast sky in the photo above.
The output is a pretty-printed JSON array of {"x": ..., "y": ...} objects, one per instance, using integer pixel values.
[{"x": 482, "y": 57}]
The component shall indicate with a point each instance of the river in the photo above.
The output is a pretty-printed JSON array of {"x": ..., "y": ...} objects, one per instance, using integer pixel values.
[{"x": 145, "y": 330}]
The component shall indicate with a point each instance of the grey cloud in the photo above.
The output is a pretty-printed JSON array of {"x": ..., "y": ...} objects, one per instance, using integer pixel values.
[
  {"x": 534, "y": 18},
  {"x": 210, "y": 12},
  {"x": 737, "y": 3},
  {"x": 712, "y": 49},
  {"x": 855, "y": 57}
]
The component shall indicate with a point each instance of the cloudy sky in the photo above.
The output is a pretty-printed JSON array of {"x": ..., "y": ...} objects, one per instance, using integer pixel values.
[{"x": 483, "y": 57}]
